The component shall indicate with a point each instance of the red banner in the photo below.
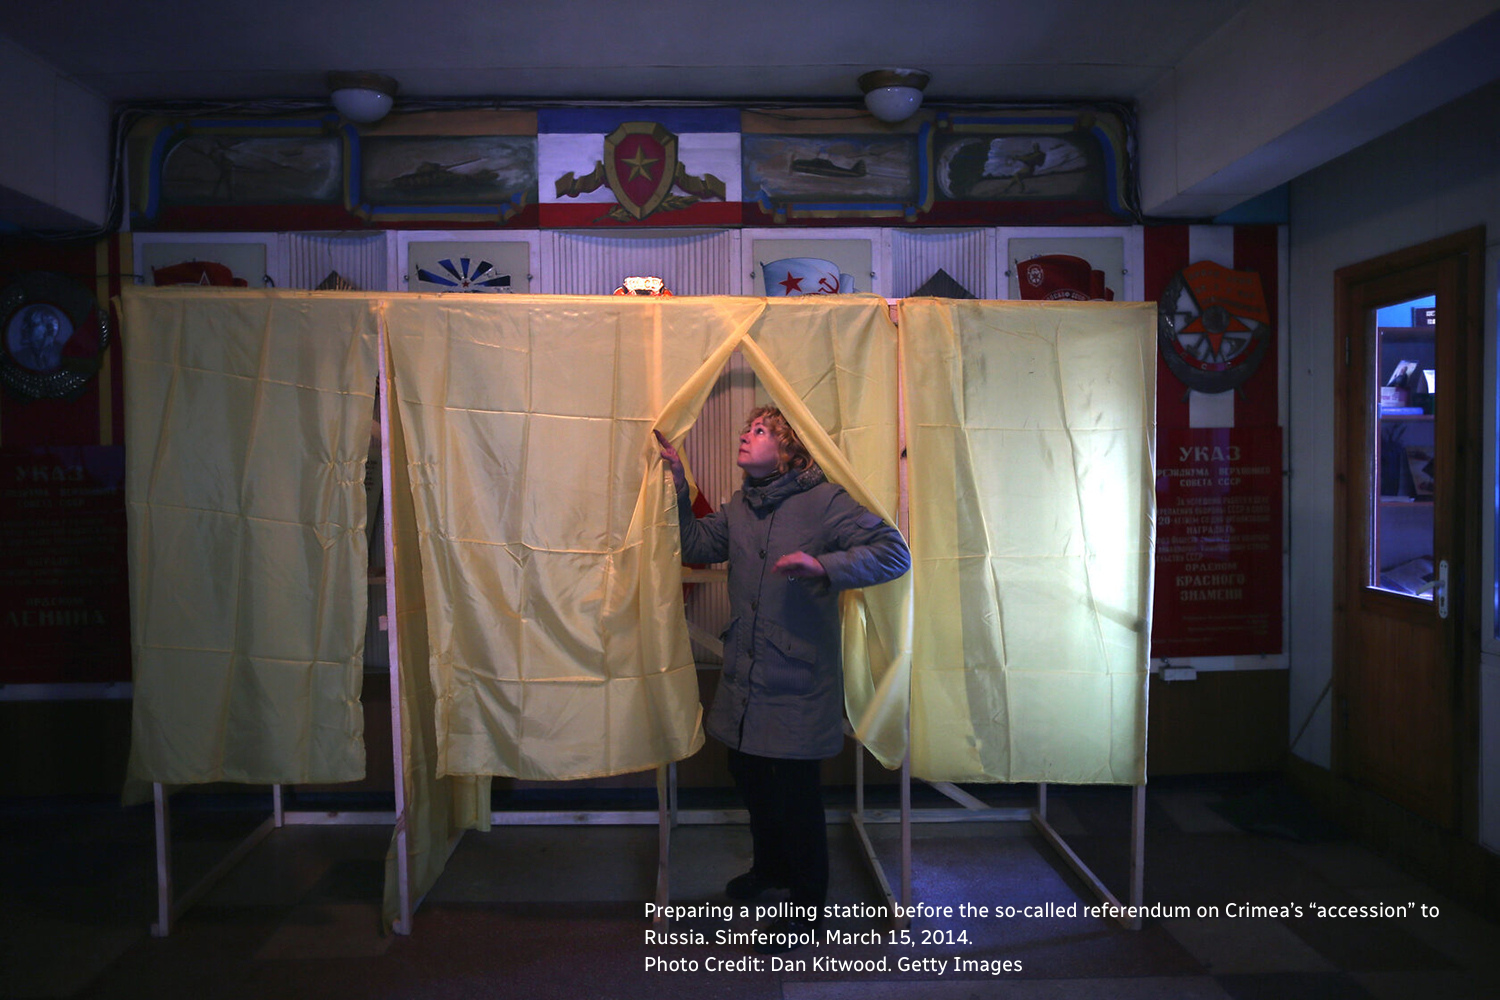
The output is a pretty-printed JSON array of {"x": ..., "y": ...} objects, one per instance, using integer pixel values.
[
  {"x": 64, "y": 590},
  {"x": 1218, "y": 542}
]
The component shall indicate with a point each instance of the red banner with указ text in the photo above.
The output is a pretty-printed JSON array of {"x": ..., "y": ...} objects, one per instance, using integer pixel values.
[
  {"x": 1218, "y": 542},
  {"x": 64, "y": 587}
]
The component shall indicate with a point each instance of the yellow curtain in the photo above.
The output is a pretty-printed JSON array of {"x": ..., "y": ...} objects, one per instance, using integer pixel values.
[
  {"x": 829, "y": 363},
  {"x": 536, "y": 531},
  {"x": 436, "y": 808},
  {"x": 247, "y": 420},
  {"x": 548, "y": 536},
  {"x": 537, "y": 569},
  {"x": 525, "y": 419},
  {"x": 1030, "y": 436},
  {"x": 538, "y": 584}
]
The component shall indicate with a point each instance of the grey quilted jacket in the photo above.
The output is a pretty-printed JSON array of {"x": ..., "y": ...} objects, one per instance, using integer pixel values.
[{"x": 781, "y": 693}]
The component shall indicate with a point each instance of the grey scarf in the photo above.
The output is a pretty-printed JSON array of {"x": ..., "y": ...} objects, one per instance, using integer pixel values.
[{"x": 769, "y": 496}]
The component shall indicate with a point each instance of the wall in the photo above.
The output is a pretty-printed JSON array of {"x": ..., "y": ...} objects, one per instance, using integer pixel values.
[
  {"x": 1431, "y": 177},
  {"x": 1232, "y": 718},
  {"x": 65, "y": 746},
  {"x": 55, "y": 172},
  {"x": 1211, "y": 139}
]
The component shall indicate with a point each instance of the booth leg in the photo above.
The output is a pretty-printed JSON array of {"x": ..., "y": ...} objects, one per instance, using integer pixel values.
[
  {"x": 906, "y": 897},
  {"x": 859, "y": 781},
  {"x": 664, "y": 812},
  {"x": 402, "y": 922},
  {"x": 1137, "y": 850},
  {"x": 857, "y": 819},
  {"x": 168, "y": 907},
  {"x": 162, "y": 812},
  {"x": 672, "y": 791}
]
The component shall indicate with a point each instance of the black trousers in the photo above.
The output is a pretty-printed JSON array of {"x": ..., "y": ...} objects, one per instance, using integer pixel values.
[{"x": 785, "y": 799}]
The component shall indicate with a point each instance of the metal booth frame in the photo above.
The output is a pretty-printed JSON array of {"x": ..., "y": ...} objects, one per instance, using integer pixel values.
[{"x": 667, "y": 815}]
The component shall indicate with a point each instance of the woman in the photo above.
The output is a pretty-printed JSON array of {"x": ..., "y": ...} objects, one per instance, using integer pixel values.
[{"x": 793, "y": 540}]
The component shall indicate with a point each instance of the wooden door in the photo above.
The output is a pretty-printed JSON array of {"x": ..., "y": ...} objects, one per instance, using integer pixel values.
[{"x": 1407, "y": 537}]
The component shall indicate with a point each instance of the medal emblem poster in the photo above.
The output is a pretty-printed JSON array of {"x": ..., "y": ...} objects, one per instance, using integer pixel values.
[
  {"x": 638, "y": 166},
  {"x": 1218, "y": 542}
]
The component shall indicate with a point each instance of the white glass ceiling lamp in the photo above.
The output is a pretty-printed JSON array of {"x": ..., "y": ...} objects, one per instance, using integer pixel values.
[
  {"x": 893, "y": 95},
  {"x": 362, "y": 97}
]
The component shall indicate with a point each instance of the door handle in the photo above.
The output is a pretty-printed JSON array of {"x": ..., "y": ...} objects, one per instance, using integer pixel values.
[{"x": 1442, "y": 588}]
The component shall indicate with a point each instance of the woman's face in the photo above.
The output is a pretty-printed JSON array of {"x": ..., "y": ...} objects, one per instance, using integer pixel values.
[{"x": 759, "y": 453}]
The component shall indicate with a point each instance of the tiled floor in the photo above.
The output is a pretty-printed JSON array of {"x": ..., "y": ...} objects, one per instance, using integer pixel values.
[{"x": 560, "y": 911}]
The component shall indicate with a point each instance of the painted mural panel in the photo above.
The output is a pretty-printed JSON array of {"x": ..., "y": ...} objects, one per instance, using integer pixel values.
[
  {"x": 831, "y": 165},
  {"x": 1060, "y": 165},
  {"x": 853, "y": 168},
  {"x": 639, "y": 166},
  {"x": 983, "y": 168},
  {"x": 431, "y": 170},
  {"x": 226, "y": 174},
  {"x": 587, "y": 167},
  {"x": 270, "y": 170},
  {"x": 1038, "y": 165}
]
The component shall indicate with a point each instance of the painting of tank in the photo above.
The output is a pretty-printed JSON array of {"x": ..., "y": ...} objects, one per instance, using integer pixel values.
[{"x": 462, "y": 170}]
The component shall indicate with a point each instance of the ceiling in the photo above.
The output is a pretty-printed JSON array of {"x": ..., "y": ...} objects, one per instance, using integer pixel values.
[
  {"x": 774, "y": 50},
  {"x": 1233, "y": 97}
]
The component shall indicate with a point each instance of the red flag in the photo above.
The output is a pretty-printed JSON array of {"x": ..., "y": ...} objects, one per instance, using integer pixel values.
[{"x": 1061, "y": 276}]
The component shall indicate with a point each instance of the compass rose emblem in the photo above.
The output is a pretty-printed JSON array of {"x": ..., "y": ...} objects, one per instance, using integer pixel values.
[{"x": 461, "y": 278}]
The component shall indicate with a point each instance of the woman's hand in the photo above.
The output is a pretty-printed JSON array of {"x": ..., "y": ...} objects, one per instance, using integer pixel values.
[
  {"x": 799, "y": 566},
  {"x": 674, "y": 462}
]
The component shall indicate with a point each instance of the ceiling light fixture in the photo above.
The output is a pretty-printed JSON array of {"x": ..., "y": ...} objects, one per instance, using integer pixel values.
[
  {"x": 362, "y": 97},
  {"x": 893, "y": 95}
]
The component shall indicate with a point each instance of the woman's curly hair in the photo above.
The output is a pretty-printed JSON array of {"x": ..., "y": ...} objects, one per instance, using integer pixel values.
[{"x": 791, "y": 452}]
